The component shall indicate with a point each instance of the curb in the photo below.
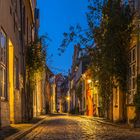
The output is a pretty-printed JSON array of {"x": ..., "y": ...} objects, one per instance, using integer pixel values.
[{"x": 20, "y": 134}]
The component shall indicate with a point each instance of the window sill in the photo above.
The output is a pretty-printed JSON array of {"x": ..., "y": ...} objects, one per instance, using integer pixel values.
[{"x": 116, "y": 106}]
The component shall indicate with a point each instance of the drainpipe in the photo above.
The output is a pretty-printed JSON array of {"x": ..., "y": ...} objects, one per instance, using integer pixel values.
[
  {"x": 0, "y": 112},
  {"x": 23, "y": 63},
  {"x": 138, "y": 46}
]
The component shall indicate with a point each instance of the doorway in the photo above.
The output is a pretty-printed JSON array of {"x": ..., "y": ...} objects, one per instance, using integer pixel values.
[{"x": 11, "y": 80}]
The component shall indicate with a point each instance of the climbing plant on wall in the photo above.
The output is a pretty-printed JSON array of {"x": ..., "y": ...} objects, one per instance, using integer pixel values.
[
  {"x": 35, "y": 65},
  {"x": 35, "y": 58},
  {"x": 107, "y": 40}
]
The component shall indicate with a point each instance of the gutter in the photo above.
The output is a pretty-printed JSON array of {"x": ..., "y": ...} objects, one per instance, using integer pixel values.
[{"x": 32, "y": 10}]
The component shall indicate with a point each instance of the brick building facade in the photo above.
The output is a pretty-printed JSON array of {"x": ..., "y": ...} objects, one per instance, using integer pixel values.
[{"x": 16, "y": 31}]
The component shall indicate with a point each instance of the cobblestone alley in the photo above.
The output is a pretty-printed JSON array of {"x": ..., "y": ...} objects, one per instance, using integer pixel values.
[{"x": 61, "y": 127}]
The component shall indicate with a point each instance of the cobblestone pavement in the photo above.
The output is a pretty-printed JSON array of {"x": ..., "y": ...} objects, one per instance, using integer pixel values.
[{"x": 77, "y": 128}]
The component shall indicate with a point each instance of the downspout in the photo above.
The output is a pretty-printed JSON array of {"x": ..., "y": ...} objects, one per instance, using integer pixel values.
[
  {"x": 138, "y": 46},
  {"x": 24, "y": 107},
  {"x": 0, "y": 113}
]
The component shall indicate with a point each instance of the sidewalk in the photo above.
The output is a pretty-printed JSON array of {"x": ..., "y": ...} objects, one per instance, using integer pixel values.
[
  {"x": 14, "y": 131},
  {"x": 107, "y": 122}
]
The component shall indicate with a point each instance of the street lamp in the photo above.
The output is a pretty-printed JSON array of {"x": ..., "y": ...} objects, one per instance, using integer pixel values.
[
  {"x": 68, "y": 98},
  {"x": 89, "y": 81}
]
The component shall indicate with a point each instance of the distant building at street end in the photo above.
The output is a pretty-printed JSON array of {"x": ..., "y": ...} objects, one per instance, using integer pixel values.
[{"x": 59, "y": 79}]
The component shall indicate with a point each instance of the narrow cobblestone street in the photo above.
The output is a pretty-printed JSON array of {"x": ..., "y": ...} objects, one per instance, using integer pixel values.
[{"x": 61, "y": 127}]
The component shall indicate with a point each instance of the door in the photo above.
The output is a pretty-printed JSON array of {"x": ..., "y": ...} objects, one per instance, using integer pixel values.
[{"x": 11, "y": 80}]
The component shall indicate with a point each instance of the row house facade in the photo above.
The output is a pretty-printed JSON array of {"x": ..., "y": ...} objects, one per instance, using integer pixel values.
[
  {"x": 87, "y": 101},
  {"x": 121, "y": 110},
  {"x": 65, "y": 97},
  {"x": 57, "y": 93},
  {"x": 48, "y": 90},
  {"x": 134, "y": 60},
  {"x": 27, "y": 11},
  {"x": 16, "y": 31},
  {"x": 40, "y": 95},
  {"x": 72, "y": 79},
  {"x": 122, "y": 104},
  {"x": 90, "y": 102},
  {"x": 53, "y": 105}
]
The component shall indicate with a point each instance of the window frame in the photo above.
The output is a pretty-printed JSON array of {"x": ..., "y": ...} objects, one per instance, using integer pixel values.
[{"x": 3, "y": 66}]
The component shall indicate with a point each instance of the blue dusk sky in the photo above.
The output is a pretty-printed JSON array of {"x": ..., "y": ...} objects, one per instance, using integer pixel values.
[{"x": 55, "y": 18}]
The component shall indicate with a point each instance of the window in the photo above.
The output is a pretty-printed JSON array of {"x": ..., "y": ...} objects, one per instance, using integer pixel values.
[
  {"x": 134, "y": 70},
  {"x": 130, "y": 73},
  {"x": 133, "y": 54},
  {"x": 2, "y": 81},
  {"x": 16, "y": 73},
  {"x": 134, "y": 82},
  {"x": 129, "y": 57},
  {"x": 3, "y": 92},
  {"x": 129, "y": 84}
]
